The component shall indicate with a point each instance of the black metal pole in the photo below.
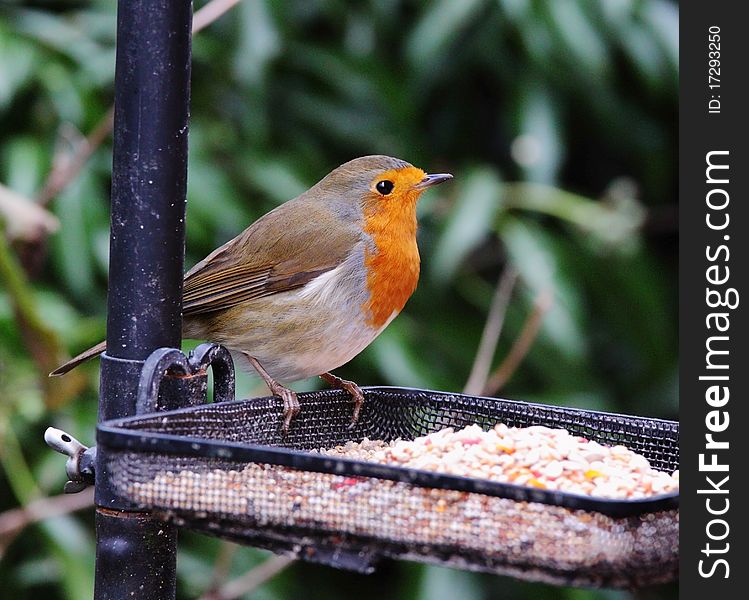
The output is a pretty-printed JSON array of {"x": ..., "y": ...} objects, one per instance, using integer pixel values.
[{"x": 136, "y": 556}]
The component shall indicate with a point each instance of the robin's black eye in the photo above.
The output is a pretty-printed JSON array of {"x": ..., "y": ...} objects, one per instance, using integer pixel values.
[{"x": 385, "y": 186}]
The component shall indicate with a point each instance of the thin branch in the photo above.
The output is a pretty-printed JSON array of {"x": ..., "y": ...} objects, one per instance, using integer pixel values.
[
  {"x": 250, "y": 581},
  {"x": 24, "y": 219},
  {"x": 222, "y": 565},
  {"x": 522, "y": 344},
  {"x": 492, "y": 329},
  {"x": 13, "y": 521},
  {"x": 67, "y": 167},
  {"x": 210, "y": 12}
]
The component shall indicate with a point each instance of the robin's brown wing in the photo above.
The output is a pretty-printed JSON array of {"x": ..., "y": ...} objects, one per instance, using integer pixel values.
[{"x": 283, "y": 250}]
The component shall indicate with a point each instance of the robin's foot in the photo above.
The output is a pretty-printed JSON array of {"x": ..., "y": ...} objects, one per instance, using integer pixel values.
[
  {"x": 356, "y": 394},
  {"x": 290, "y": 400}
]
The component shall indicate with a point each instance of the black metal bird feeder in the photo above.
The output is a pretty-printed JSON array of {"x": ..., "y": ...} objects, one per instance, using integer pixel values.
[{"x": 166, "y": 459}]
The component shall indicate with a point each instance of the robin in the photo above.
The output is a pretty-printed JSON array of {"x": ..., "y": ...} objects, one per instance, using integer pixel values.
[{"x": 312, "y": 283}]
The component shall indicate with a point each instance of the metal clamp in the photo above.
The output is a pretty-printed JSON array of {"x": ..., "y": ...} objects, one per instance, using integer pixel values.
[
  {"x": 80, "y": 464},
  {"x": 171, "y": 360},
  {"x": 219, "y": 359}
]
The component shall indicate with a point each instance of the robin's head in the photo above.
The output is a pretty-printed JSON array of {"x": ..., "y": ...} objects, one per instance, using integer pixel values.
[{"x": 379, "y": 183}]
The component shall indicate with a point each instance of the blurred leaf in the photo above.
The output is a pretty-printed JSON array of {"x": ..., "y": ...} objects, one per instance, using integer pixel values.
[
  {"x": 215, "y": 211},
  {"x": 442, "y": 22},
  {"x": 73, "y": 545},
  {"x": 392, "y": 355},
  {"x": 345, "y": 76},
  {"x": 538, "y": 147},
  {"x": 518, "y": 11},
  {"x": 440, "y": 583},
  {"x": 259, "y": 41},
  {"x": 38, "y": 571},
  {"x": 577, "y": 32},
  {"x": 17, "y": 59},
  {"x": 470, "y": 220},
  {"x": 193, "y": 570},
  {"x": 277, "y": 179},
  {"x": 73, "y": 252},
  {"x": 537, "y": 41},
  {"x": 70, "y": 39},
  {"x": 641, "y": 48},
  {"x": 23, "y": 164},
  {"x": 532, "y": 253},
  {"x": 662, "y": 21},
  {"x": 360, "y": 34},
  {"x": 64, "y": 94},
  {"x": 339, "y": 121},
  {"x": 611, "y": 223},
  {"x": 77, "y": 331}
]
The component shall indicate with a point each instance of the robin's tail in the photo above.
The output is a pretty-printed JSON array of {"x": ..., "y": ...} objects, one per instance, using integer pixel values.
[{"x": 82, "y": 357}]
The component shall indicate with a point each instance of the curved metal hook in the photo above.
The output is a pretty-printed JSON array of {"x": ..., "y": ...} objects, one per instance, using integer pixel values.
[
  {"x": 157, "y": 364},
  {"x": 219, "y": 359}
]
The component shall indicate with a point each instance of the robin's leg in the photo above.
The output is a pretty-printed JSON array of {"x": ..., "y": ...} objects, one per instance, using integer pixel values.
[
  {"x": 289, "y": 397},
  {"x": 351, "y": 388}
]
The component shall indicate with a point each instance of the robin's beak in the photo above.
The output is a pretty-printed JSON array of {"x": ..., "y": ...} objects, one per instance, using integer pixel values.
[{"x": 432, "y": 179}]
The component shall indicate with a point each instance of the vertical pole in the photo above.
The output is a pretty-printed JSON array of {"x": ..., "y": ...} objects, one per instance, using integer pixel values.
[{"x": 136, "y": 556}]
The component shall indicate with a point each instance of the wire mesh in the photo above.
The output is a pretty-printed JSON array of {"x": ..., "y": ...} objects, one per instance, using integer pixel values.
[{"x": 227, "y": 469}]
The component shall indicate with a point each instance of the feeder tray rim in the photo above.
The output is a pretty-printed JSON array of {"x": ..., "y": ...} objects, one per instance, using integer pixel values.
[
  {"x": 115, "y": 435},
  {"x": 668, "y": 424}
]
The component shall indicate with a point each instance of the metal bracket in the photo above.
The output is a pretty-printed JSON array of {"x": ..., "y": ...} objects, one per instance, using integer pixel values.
[
  {"x": 80, "y": 464},
  {"x": 192, "y": 370}
]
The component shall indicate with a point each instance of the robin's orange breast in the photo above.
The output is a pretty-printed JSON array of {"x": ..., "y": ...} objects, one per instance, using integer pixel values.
[{"x": 393, "y": 265}]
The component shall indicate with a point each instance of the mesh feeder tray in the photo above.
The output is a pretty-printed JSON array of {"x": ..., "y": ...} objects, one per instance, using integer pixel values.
[{"x": 226, "y": 469}]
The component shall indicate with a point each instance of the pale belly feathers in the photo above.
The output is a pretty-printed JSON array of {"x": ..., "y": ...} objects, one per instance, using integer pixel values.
[{"x": 300, "y": 333}]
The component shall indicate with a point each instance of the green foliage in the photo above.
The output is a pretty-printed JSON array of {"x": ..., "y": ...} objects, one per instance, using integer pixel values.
[{"x": 558, "y": 120}]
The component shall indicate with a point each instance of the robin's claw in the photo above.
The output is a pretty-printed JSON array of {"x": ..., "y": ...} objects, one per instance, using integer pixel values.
[
  {"x": 290, "y": 399},
  {"x": 358, "y": 397},
  {"x": 356, "y": 393},
  {"x": 291, "y": 406}
]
